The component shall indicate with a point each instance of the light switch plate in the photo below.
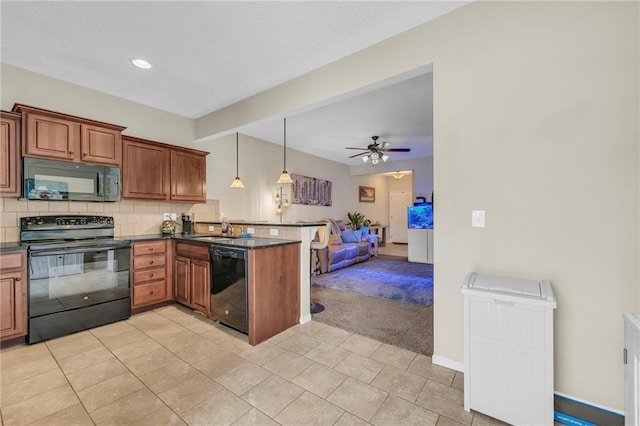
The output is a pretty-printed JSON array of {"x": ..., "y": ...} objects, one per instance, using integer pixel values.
[
  {"x": 477, "y": 218},
  {"x": 166, "y": 216},
  {"x": 174, "y": 216},
  {"x": 273, "y": 232},
  {"x": 251, "y": 230},
  {"x": 211, "y": 228}
]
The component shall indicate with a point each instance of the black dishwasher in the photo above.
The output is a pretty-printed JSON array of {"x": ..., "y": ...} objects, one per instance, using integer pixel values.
[{"x": 229, "y": 287}]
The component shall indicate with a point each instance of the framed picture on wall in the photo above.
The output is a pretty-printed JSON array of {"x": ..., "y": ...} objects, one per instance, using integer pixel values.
[{"x": 367, "y": 194}]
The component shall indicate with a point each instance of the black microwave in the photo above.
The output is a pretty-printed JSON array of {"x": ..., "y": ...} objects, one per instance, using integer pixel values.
[{"x": 63, "y": 180}]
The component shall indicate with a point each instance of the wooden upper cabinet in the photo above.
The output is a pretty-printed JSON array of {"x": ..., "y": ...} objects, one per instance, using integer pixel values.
[
  {"x": 156, "y": 171},
  {"x": 100, "y": 145},
  {"x": 10, "y": 164},
  {"x": 49, "y": 134},
  {"x": 188, "y": 176},
  {"x": 145, "y": 170}
]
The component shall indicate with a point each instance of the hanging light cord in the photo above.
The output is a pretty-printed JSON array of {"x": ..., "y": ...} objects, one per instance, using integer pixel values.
[
  {"x": 285, "y": 144},
  {"x": 237, "y": 152}
]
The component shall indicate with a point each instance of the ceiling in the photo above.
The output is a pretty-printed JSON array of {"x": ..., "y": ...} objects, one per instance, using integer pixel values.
[{"x": 209, "y": 54}]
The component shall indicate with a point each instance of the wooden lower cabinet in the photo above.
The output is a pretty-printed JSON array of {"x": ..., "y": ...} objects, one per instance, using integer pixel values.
[
  {"x": 192, "y": 276},
  {"x": 151, "y": 273},
  {"x": 13, "y": 295},
  {"x": 273, "y": 291}
]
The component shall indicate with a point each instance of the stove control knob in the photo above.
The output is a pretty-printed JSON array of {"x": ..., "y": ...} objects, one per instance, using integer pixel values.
[
  {"x": 39, "y": 222},
  {"x": 101, "y": 220},
  {"x": 26, "y": 223}
]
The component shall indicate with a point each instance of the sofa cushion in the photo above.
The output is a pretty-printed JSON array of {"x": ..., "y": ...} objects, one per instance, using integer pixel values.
[{"x": 350, "y": 236}]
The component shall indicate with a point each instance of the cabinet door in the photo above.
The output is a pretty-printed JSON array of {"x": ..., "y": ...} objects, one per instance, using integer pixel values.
[
  {"x": 200, "y": 285},
  {"x": 51, "y": 137},
  {"x": 9, "y": 155},
  {"x": 13, "y": 299},
  {"x": 188, "y": 176},
  {"x": 145, "y": 171},
  {"x": 101, "y": 145},
  {"x": 181, "y": 281}
]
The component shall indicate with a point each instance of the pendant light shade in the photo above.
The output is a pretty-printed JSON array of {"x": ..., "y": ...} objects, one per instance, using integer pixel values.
[
  {"x": 237, "y": 182},
  {"x": 284, "y": 176}
]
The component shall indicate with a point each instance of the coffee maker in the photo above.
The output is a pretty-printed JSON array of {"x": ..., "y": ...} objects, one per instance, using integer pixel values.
[{"x": 187, "y": 225}]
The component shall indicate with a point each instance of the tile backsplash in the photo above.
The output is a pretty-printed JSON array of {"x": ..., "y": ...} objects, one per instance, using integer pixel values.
[{"x": 130, "y": 217}]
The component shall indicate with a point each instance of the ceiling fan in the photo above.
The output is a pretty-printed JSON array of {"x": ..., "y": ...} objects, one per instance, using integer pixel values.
[{"x": 376, "y": 151}]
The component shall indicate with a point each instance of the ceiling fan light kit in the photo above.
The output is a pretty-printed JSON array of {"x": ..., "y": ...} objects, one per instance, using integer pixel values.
[{"x": 376, "y": 151}]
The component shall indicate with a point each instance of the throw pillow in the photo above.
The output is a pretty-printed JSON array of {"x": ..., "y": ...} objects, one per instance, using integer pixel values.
[
  {"x": 349, "y": 236},
  {"x": 335, "y": 240},
  {"x": 341, "y": 225},
  {"x": 365, "y": 230}
]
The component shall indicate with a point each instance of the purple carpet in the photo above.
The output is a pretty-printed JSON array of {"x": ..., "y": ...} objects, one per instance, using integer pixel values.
[{"x": 384, "y": 278}]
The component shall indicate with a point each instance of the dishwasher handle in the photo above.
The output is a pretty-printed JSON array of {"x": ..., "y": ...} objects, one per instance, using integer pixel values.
[{"x": 228, "y": 253}]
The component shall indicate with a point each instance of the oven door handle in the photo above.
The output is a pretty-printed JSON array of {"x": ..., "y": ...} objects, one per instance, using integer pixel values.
[{"x": 75, "y": 251}]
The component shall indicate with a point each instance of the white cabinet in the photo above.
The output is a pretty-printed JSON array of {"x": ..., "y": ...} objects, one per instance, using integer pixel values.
[
  {"x": 631, "y": 369},
  {"x": 420, "y": 248},
  {"x": 508, "y": 354}
]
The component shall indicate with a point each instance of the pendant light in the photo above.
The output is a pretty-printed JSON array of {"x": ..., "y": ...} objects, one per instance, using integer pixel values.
[
  {"x": 237, "y": 182},
  {"x": 284, "y": 176}
]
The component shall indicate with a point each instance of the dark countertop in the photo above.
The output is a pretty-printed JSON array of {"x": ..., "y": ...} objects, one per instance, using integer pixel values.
[
  {"x": 14, "y": 246},
  {"x": 290, "y": 225},
  {"x": 208, "y": 239}
]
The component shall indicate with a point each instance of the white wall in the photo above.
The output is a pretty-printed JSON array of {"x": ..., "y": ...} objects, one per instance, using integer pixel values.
[
  {"x": 21, "y": 86},
  {"x": 535, "y": 121}
]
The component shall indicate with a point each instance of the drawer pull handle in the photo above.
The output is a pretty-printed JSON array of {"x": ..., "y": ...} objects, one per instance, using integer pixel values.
[
  {"x": 150, "y": 248},
  {"x": 71, "y": 152},
  {"x": 150, "y": 275},
  {"x": 84, "y": 154},
  {"x": 151, "y": 262},
  {"x": 18, "y": 279},
  {"x": 151, "y": 292}
]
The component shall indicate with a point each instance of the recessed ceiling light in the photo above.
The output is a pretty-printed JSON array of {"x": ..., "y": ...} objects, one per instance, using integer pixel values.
[{"x": 141, "y": 63}]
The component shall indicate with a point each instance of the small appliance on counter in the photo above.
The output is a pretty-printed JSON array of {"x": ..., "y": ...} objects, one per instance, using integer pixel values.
[{"x": 187, "y": 224}]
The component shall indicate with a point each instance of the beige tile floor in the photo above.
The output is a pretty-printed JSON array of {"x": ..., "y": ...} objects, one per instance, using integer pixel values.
[{"x": 173, "y": 367}]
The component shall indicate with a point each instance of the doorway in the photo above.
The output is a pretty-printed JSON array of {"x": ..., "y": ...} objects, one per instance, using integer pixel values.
[{"x": 399, "y": 200}]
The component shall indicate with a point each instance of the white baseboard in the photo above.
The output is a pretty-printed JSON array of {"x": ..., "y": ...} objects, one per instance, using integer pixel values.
[
  {"x": 305, "y": 319},
  {"x": 592, "y": 404},
  {"x": 449, "y": 363}
]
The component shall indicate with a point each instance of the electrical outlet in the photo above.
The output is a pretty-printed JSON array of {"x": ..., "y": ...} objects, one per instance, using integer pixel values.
[
  {"x": 166, "y": 216},
  {"x": 273, "y": 232},
  {"x": 211, "y": 228},
  {"x": 174, "y": 216},
  {"x": 251, "y": 230}
]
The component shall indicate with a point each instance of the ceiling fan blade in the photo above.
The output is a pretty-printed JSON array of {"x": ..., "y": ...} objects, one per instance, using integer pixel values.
[
  {"x": 349, "y": 147},
  {"x": 357, "y": 155},
  {"x": 397, "y": 149}
]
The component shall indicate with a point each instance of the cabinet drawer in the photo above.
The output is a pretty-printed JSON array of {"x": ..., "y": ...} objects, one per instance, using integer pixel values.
[
  {"x": 149, "y": 293},
  {"x": 149, "y": 275},
  {"x": 192, "y": 250},
  {"x": 148, "y": 261},
  {"x": 11, "y": 260},
  {"x": 151, "y": 247}
]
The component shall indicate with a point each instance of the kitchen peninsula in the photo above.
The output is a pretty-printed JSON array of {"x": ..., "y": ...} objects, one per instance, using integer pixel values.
[{"x": 301, "y": 231}]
